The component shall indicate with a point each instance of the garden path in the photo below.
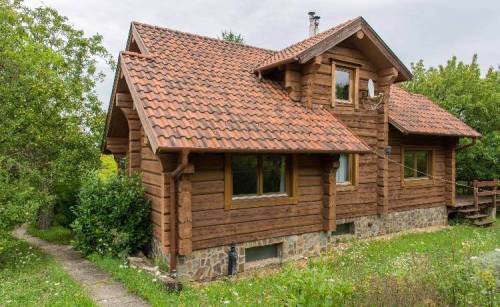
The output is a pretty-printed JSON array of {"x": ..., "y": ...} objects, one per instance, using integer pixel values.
[{"x": 98, "y": 284}]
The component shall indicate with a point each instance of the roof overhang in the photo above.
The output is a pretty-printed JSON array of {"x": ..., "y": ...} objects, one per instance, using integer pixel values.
[{"x": 349, "y": 29}]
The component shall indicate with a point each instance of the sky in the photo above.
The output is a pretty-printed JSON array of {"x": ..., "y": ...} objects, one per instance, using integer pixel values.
[{"x": 432, "y": 30}]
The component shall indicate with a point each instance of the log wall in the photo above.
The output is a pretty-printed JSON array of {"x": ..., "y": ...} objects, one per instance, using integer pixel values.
[
  {"x": 405, "y": 197},
  {"x": 214, "y": 226},
  {"x": 361, "y": 199}
]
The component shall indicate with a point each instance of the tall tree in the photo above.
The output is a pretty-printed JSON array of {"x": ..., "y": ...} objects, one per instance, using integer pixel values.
[
  {"x": 51, "y": 118},
  {"x": 230, "y": 36},
  {"x": 460, "y": 89}
]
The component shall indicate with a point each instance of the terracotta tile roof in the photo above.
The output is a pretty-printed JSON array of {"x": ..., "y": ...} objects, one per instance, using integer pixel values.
[
  {"x": 290, "y": 53},
  {"x": 201, "y": 93},
  {"x": 416, "y": 114}
]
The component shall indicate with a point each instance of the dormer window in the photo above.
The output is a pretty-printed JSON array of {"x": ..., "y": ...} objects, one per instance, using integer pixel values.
[{"x": 343, "y": 85}]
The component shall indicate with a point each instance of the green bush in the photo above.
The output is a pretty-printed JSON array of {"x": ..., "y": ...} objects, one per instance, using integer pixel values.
[{"x": 112, "y": 216}]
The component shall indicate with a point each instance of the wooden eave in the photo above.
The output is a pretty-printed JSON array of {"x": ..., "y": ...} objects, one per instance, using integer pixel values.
[{"x": 133, "y": 35}]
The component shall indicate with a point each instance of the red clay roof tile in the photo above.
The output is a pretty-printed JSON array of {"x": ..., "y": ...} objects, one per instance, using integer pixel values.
[
  {"x": 201, "y": 93},
  {"x": 416, "y": 114}
]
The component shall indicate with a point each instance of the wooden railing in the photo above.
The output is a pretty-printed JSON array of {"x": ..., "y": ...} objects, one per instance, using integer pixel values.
[{"x": 485, "y": 188}]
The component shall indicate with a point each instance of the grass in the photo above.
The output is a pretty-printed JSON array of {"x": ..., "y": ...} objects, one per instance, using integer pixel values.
[
  {"x": 55, "y": 234},
  {"x": 29, "y": 277},
  {"x": 419, "y": 269}
]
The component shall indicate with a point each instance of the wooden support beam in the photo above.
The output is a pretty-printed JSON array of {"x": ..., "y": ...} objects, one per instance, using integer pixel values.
[
  {"x": 385, "y": 80},
  {"x": 123, "y": 100},
  {"x": 293, "y": 81},
  {"x": 331, "y": 164},
  {"x": 314, "y": 66},
  {"x": 184, "y": 215}
]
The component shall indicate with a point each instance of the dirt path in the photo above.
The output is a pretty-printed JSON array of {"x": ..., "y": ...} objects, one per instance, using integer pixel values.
[{"x": 98, "y": 284}]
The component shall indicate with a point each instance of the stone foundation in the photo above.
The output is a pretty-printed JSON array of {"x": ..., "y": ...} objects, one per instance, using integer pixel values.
[{"x": 210, "y": 263}]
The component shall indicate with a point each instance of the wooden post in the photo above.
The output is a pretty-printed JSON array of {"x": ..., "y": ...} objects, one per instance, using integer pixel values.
[
  {"x": 385, "y": 79},
  {"x": 329, "y": 192},
  {"x": 184, "y": 214},
  {"x": 494, "y": 200},
  {"x": 450, "y": 158},
  {"x": 476, "y": 196},
  {"x": 312, "y": 67}
]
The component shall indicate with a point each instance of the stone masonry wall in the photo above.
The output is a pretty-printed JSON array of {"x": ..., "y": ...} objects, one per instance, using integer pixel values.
[{"x": 210, "y": 263}]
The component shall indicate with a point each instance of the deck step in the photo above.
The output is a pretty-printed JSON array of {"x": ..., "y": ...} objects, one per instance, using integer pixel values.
[
  {"x": 476, "y": 216},
  {"x": 471, "y": 210},
  {"x": 486, "y": 222}
]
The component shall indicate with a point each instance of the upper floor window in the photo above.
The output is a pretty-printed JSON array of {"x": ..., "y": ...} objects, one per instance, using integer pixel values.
[
  {"x": 417, "y": 164},
  {"x": 343, "y": 84}
]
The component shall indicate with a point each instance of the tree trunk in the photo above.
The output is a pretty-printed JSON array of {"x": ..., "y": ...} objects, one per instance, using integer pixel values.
[{"x": 45, "y": 217}]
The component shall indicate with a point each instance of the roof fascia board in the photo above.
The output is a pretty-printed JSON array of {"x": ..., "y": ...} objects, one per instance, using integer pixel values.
[
  {"x": 330, "y": 41},
  {"x": 110, "y": 106},
  {"x": 348, "y": 30},
  {"x": 148, "y": 129},
  {"x": 138, "y": 39}
]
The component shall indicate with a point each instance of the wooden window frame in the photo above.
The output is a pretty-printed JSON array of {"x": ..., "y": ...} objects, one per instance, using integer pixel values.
[
  {"x": 260, "y": 200},
  {"x": 418, "y": 181},
  {"x": 352, "y": 184},
  {"x": 354, "y": 81}
]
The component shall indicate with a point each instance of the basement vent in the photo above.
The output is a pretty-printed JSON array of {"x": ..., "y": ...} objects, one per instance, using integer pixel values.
[
  {"x": 344, "y": 229},
  {"x": 260, "y": 253}
]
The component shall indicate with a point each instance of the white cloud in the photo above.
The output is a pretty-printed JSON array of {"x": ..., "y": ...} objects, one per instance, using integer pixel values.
[{"x": 428, "y": 30}]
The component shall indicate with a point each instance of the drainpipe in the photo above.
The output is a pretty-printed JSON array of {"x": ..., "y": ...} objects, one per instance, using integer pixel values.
[
  {"x": 174, "y": 176},
  {"x": 463, "y": 146}
]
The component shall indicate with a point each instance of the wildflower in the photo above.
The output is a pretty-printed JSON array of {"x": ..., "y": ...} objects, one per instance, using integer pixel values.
[
  {"x": 154, "y": 279},
  {"x": 473, "y": 258},
  {"x": 226, "y": 302}
]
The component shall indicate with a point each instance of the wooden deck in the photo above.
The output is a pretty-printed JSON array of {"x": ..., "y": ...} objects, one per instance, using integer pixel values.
[
  {"x": 468, "y": 200},
  {"x": 479, "y": 208}
]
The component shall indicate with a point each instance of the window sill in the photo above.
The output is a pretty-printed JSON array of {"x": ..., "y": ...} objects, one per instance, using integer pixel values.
[
  {"x": 262, "y": 200},
  {"x": 417, "y": 182},
  {"x": 342, "y": 187},
  {"x": 344, "y": 102}
]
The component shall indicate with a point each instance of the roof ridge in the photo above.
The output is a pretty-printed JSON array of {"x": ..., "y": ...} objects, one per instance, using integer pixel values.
[{"x": 204, "y": 37}]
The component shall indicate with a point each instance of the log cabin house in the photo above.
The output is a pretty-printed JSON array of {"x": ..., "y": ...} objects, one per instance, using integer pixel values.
[{"x": 277, "y": 152}]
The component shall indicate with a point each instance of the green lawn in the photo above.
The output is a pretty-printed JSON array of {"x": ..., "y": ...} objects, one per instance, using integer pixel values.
[
  {"x": 55, "y": 234},
  {"x": 29, "y": 277},
  {"x": 426, "y": 269}
]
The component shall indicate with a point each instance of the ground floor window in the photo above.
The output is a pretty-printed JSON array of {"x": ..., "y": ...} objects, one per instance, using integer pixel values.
[
  {"x": 259, "y": 174},
  {"x": 346, "y": 173},
  {"x": 256, "y": 180},
  {"x": 417, "y": 163}
]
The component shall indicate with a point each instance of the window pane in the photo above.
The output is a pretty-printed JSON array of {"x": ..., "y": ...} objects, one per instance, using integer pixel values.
[
  {"x": 343, "y": 170},
  {"x": 244, "y": 175},
  {"x": 408, "y": 169},
  {"x": 422, "y": 163},
  {"x": 273, "y": 171},
  {"x": 342, "y": 79}
]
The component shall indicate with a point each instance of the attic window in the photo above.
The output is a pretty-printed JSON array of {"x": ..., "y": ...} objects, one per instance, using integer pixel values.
[{"x": 343, "y": 84}]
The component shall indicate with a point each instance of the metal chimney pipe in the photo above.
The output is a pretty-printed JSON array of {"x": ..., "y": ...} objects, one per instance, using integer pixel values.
[{"x": 313, "y": 23}]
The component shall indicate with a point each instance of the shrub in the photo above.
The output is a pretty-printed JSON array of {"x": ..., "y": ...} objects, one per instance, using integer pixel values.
[{"x": 112, "y": 216}]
